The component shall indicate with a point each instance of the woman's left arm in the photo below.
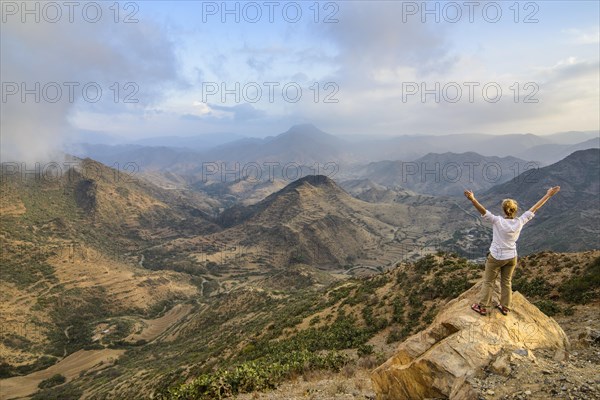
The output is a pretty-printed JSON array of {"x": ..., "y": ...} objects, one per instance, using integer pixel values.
[{"x": 551, "y": 192}]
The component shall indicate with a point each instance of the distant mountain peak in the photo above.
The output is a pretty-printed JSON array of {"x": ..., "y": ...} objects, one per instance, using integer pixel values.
[
  {"x": 304, "y": 127},
  {"x": 305, "y": 130}
]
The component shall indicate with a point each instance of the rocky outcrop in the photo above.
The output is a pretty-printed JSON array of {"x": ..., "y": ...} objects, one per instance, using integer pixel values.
[
  {"x": 438, "y": 361},
  {"x": 85, "y": 195}
]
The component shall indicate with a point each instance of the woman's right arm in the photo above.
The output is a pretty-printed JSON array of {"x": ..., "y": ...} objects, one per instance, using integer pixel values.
[
  {"x": 469, "y": 195},
  {"x": 551, "y": 192}
]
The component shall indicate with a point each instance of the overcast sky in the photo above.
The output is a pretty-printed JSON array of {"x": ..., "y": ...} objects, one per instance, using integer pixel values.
[{"x": 256, "y": 68}]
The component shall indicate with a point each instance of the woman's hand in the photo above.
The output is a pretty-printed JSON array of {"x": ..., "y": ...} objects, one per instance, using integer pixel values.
[
  {"x": 553, "y": 190},
  {"x": 469, "y": 195}
]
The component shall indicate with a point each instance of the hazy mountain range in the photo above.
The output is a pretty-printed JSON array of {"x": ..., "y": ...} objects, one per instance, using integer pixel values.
[
  {"x": 437, "y": 165},
  {"x": 306, "y": 144},
  {"x": 444, "y": 174}
]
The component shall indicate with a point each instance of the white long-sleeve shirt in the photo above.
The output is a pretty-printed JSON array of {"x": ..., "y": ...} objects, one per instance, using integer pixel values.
[{"x": 505, "y": 234}]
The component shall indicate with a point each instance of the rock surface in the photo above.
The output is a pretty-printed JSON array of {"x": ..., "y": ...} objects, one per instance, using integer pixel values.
[{"x": 438, "y": 361}]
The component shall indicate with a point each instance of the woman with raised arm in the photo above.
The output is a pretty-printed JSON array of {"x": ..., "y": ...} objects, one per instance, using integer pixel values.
[{"x": 502, "y": 257}]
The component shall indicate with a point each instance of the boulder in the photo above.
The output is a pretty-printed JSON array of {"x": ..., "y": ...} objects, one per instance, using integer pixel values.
[{"x": 438, "y": 361}]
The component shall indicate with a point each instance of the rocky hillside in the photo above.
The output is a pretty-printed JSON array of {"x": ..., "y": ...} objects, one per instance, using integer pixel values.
[
  {"x": 71, "y": 241},
  {"x": 314, "y": 221},
  {"x": 367, "y": 319},
  {"x": 444, "y": 174},
  {"x": 323, "y": 343}
]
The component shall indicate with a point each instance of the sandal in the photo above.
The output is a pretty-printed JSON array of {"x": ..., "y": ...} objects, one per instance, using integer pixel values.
[
  {"x": 478, "y": 309},
  {"x": 502, "y": 309}
]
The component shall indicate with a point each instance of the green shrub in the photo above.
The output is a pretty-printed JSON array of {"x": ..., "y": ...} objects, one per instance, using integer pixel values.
[
  {"x": 415, "y": 314},
  {"x": 338, "y": 294},
  {"x": 95, "y": 346},
  {"x": 256, "y": 375},
  {"x": 431, "y": 313},
  {"x": 62, "y": 392},
  {"x": 395, "y": 335},
  {"x": 569, "y": 310},
  {"x": 426, "y": 263},
  {"x": 398, "y": 311},
  {"x": 414, "y": 300},
  {"x": 365, "y": 350},
  {"x": 537, "y": 287},
  {"x": 401, "y": 277},
  {"x": 41, "y": 363},
  {"x": 454, "y": 286},
  {"x": 6, "y": 370},
  {"x": 373, "y": 324},
  {"x": 548, "y": 307},
  {"x": 54, "y": 380},
  {"x": 407, "y": 329},
  {"x": 583, "y": 288}
]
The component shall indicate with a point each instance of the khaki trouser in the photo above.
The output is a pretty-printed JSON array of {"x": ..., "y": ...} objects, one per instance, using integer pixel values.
[{"x": 492, "y": 268}]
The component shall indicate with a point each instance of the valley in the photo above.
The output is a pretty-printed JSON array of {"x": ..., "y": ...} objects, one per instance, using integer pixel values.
[{"x": 128, "y": 288}]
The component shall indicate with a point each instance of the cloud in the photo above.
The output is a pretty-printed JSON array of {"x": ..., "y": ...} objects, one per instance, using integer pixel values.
[
  {"x": 213, "y": 112},
  {"x": 377, "y": 53},
  {"x": 124, "y": 67},
  {"x": 241, "y": 112},
  {"x": 367, "y": 56},
  {"x": 370, "y": 36},
  {"x": 569, "y": 69},
  {"x": 202, "y": 108},
  {"x": 579, "y": 36}
]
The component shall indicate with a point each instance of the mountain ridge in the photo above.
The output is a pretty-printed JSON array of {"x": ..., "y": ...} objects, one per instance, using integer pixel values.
[{"x": 308, "y": 144}]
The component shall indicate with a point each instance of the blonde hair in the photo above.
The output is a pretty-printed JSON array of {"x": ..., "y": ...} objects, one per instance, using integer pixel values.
[{"x": 510, "y": 207}]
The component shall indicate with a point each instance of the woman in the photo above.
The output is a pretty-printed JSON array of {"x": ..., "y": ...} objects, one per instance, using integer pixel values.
[{"x": 502, "y": 257}]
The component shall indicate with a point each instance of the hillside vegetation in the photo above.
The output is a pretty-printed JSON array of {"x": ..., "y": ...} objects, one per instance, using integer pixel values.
[
  {"x": 126, "y": 289},
  {"x": 364, "y": 318},
  {"x": 70, "y": 259}
]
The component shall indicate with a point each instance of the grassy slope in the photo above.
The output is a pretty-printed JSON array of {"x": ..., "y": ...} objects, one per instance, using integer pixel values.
[
  {"x": 67, "y": 242},
  {"x": 262, "y": 338}
]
